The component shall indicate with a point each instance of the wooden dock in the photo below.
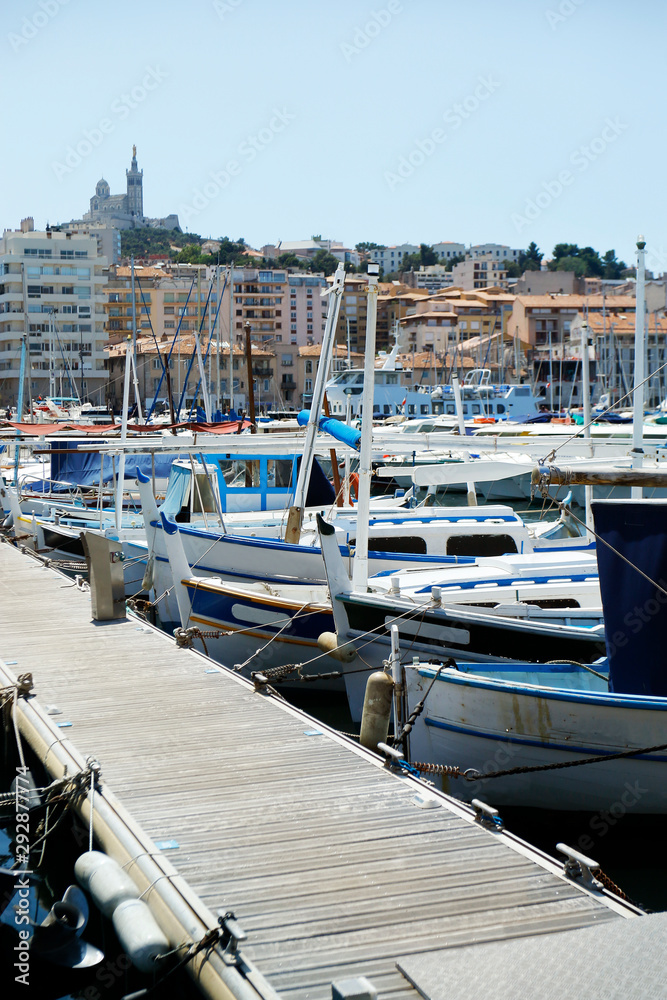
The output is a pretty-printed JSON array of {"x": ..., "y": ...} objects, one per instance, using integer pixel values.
[{"x": 330, "y": 865}]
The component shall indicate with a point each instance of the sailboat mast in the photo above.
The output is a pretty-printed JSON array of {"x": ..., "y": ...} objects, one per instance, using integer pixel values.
[
  {"x": 360, "y": 569},
  {"x": 640, "y": 365}
]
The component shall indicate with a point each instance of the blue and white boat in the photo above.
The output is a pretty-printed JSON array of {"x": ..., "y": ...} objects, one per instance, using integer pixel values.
[
  {"x": 396, "y": 394},
  {"x": 498, "y": 716}
]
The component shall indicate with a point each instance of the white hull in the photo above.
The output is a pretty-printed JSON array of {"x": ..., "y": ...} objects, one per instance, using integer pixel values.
[{"x": 488, "y": 724}]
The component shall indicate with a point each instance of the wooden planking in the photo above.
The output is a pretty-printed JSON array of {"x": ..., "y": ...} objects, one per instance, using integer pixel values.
[{"x": 329, "y": 865}]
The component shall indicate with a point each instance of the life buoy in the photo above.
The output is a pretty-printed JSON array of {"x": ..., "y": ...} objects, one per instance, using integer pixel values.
[{"x": 354, "y": 485}]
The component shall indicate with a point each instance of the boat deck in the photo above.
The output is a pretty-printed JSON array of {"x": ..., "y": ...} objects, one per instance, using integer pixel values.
[{"x": 330, "y": 866}]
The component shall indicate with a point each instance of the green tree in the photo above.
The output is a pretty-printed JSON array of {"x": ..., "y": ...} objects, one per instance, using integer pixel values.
[
  {"x": 613, "y": 268},
  {"x": 585, "y": 261},
  {"x": 324, "y": 261},
  {"x": 427, "y": 255},
  {"x": 366, "y": 247},
  {"x": 191, "y": 254},
  {"x": 531, "y": 259}
]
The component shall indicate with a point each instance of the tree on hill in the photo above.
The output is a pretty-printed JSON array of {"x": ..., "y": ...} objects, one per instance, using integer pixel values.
[
  {"x": 142, "y": 242},
  {"x": 367, "y": 247},
  {"x": 324, "y": 261},
  {"x": 584, "y": 261},
  {"x": 613, "y": 268},
  {"x": 531, "y": 259}
]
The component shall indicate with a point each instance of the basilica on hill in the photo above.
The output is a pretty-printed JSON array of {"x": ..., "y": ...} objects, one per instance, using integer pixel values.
[{"x": 125, "y": 211}]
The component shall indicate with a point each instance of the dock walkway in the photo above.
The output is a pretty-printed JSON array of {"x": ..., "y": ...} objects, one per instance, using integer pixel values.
[{"x": 324, "y": 856}]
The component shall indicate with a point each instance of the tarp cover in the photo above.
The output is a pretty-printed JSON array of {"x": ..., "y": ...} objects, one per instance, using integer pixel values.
[
  {"x": 83, "y": 467},
  {"x": 635, "y": 612},
  {"x": 113, "y": 430}
]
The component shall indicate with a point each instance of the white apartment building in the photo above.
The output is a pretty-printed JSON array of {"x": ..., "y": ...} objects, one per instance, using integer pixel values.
[
  {"x": 390, "y": 258},
  {"x": 498, "y": 251},
  {"x": 447, "y": 250},
  {"x": 51, "y": 294}
]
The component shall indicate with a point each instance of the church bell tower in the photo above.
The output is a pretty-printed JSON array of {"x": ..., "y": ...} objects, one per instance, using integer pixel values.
[{"x": 135, "y": 190}]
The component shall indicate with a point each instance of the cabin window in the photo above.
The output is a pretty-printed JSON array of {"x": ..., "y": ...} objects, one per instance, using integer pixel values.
[
  {"x": 279, "y": 472},
  {"x": 480, "y": 545},
  {"x": 202, "y": 498},
  {"x": 476, "y": 408},
  {"x": 500, "y": 408},
  {"x": 451, "y": 408},
  {"x": 424, "y": 408}
]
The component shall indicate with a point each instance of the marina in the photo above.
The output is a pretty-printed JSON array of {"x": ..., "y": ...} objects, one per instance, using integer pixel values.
[{"x": 325, "y": 857}]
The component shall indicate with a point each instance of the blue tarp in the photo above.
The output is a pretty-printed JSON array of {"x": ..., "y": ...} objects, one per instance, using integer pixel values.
[
  {"x": 83, "y": 467},
  {"x": 635, "y": 612}
]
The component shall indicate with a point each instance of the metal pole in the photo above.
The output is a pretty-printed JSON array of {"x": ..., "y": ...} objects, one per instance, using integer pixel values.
[
  {"x": 360, "y": 568},
  {"x": 216, "y": 330},
  {"x": 137, "y": 394},
  {"x": 120, "y": 478},
  {"x": 586, "y": 389},
  {"x": 456, "y": 385},
  {"x": 231, "y": 337},
  {"x": 251, "y": 390},
  {"x": 640, "y": 348}
]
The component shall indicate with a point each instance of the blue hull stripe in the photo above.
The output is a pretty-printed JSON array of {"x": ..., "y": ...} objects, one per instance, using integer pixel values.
[
  {"x": 569, "y": 748},
  {"x": 603, "y": 699}
]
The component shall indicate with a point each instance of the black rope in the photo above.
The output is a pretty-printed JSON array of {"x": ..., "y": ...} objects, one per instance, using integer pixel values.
[{"x": 478, "y": 776}]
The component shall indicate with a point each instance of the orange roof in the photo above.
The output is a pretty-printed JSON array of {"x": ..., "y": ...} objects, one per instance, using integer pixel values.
[
  {"x": 315, "y": 350},
  {"x": 558, "y": 301}
]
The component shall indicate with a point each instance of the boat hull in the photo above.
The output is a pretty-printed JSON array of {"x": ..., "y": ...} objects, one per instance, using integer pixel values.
[{"x": 487, "y": 724}]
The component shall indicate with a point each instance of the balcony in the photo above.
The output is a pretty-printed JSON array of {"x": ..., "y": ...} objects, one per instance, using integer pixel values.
[
  {"x": 262, "y": 372},
  {"x": 288, "y": 382}
]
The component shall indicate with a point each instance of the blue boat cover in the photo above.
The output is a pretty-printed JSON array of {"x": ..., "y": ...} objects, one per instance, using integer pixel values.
[
  {"x": 83, "y": 467},
  {"x": 635, "y": 612}
]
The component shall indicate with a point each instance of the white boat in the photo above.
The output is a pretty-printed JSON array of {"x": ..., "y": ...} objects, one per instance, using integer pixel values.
[{"x": 498, "y": 716}]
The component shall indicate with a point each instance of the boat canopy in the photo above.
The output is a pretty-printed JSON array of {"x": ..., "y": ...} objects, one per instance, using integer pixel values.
[{"x": 635, "y": 611}]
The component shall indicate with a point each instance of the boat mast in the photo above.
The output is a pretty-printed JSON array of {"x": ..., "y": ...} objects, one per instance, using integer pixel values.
[
  {"x": 360, "y": 567},
  {"x": 640, "y": 350},
  {"x": 134, "y": 346},
  {"x": 231, "y": 338},
  {"x": 295, "y": 518}
]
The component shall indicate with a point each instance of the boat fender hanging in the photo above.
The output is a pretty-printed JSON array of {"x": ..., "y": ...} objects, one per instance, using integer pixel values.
[
  {"x": 102, "y": 877},
  {"x": 139, "y": 934},
  {"x": 378, "y": 702},
  {"x": 329, "y": 643}
]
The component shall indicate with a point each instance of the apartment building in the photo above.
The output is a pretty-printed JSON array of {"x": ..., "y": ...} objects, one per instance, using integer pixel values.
[
  {"x": 307, "y": 308},
  {"x": 390, "y": 258},
  {"x": 480, "y": 272},
  {"x": 495, "y": 251},
  {"x": 52, "y": 294}
]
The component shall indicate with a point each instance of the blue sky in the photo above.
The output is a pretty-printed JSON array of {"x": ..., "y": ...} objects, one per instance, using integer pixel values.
[{"x": 394, "y": 121}]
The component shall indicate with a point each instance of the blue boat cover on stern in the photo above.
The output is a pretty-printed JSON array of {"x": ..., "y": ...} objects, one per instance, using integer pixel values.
[{"x": 635, "y": 613}]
